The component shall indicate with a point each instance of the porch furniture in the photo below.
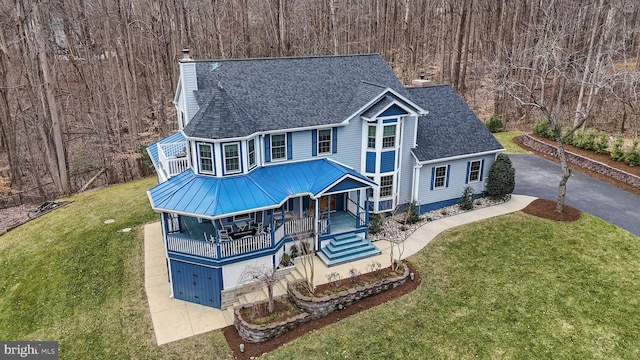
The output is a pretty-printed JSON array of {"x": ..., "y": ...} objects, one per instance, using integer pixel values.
[
  {"x": 242, "y": 233},
  {"x": 224, "y": 234},
  {"x": 242, "y": 224}
]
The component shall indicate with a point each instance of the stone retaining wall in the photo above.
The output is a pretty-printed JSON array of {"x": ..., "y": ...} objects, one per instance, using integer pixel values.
[
  {"x": 318, "y": 307},
  {"x": 260, "y": 333},
  {"x": 584, "y": 162}
]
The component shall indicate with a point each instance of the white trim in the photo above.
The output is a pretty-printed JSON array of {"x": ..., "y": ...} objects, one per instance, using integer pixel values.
[
  {"x": 394, "y": 102},
  {"x": 268, "y": 132},
  {"x": 435, "y": 176},
  {"x": 318, "y": 153},
  {"x": 469, "y": 181},
  {"x": 224, "y": 158},
  {"x": 285, "y": 147},
  {"x": 458, "y": 157},
  {"x": 213, "y": 162},
  {"x": 376, "y": 98}
]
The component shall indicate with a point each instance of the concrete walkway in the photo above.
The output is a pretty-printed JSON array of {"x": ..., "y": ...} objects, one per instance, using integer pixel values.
[{"x": 176, "y": 319}]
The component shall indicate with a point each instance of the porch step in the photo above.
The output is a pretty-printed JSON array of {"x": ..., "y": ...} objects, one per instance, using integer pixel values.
[{"x": 346, "y": 248}]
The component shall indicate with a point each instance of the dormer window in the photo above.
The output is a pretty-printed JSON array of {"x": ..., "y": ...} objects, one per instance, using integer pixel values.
[
  {"x": 205, "y": 158},
  {"x": 278, "y": 147},
  {"x": 389, "y": 136},
  {"x": 231, "y": 158},
  {"x": 324, "y": 141}
]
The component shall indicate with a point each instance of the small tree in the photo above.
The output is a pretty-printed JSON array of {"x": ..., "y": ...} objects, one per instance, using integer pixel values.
[
  {"x": 502, "y": 177},
  {"x": 466, "y": 202},
  {"x": 268, "y": 276},
  {"x": 494, "y": 124},
  {"x": 306, "y": 258},
  {"x": 375, "y": 224}
]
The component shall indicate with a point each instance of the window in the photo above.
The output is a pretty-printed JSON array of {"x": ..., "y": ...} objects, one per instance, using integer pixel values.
[
  {"x": 324, "y": 141},
  {"x": 231, "y": 158},
  {"x": 439, "y": 180},
  {"x": 205, "y": 158},
  {"x": 474, "y": 171},
  {"x": 389, "y": 136},
  {"x": 386, "y": 186},
  {"x": 251, "y": 145},
  {"x": 370, "y": 189},
  {"x": 278, "y": 147},
  {"x": 371, "y": 139}
]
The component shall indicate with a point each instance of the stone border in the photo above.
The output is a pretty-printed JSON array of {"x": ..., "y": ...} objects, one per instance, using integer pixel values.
[
  {"x": 318, "y": 307},
  {"x": 582, "y": 161},
  {"x": 260, "y": 333}
]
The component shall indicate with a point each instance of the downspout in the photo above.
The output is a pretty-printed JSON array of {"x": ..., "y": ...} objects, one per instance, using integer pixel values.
[
  {"x": 415, "y": 184},
  {"x": 163, "y": 223}
]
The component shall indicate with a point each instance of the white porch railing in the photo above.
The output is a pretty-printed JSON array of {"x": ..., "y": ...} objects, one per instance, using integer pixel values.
[
  {"x": 298, "y": 226},
  {"x": 176, "y": 242},
  {"x": 323, "y": 226},
  {"x": 278, "y": 233},
  {"x": 362, "y": 220},
  {"x": 173, "y": 158},
  {"x": 245, "y": 245}
]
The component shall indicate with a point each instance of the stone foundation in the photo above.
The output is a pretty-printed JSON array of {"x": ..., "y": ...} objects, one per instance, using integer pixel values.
[{"x": 581, "y": 161}]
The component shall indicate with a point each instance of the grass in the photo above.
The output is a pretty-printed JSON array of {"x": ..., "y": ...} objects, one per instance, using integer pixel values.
[
  {"x": 510, "y": 287},
  {"x": 69, "y": 277},
  {"x": 506, "y": 140}
]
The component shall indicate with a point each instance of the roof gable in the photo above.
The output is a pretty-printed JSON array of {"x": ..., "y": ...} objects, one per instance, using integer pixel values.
[
  {"x": 451, "y": 128},
  {"x": 284, "y": 93}
]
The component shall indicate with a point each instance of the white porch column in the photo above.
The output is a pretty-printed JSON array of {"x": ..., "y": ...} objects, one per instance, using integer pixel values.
[{"x": 316, "y": 232}]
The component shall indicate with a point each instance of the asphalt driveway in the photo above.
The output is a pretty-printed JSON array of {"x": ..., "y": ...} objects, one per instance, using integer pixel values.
[{"x": 536, "y": 176}]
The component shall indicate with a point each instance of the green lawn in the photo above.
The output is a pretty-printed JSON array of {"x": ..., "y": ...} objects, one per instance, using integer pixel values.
[
  {"x": 67, "y": 276},
  {"x": 511, "y": 287},
  {"x": 506, "y": 139}
]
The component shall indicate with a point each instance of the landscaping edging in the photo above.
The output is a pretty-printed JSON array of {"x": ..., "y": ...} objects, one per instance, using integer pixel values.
[
  {"x": 581, "y": 161},
  {"x": 318, "y": 307},
  {"x": 259, "y": 333}
]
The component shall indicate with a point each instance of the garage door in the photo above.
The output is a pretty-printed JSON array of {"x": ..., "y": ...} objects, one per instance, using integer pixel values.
[{"x": 195, "y": 283}]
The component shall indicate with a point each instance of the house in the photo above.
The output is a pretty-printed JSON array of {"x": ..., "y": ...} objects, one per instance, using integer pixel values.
[{"x": 276, "y": 150}]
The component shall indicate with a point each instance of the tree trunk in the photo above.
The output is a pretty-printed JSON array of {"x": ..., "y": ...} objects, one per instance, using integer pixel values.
[{"x": 564, "y": 178}]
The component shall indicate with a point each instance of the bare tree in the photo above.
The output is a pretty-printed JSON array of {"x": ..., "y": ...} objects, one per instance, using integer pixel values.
[{"x": 268, "y": 276}]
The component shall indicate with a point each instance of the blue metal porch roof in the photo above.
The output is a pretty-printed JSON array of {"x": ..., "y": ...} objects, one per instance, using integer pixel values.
[
  {"x": 153, "y": 148},
  {"x": 263, "y": 188}
]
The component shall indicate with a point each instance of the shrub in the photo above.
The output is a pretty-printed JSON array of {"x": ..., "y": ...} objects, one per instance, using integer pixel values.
[
  {"x": 571, "y": 139},
  {"x": 285, "y": 260},
  {"x": 494, "y": 124},
  {"x": 502, "y": 177},
  {"x": 585, "y": 139},
  {"x": 294, "y": 251},
  {"x": 602, "y": 143},
  {"x": 412, "y": 216},
  {"x": 375, "y": 224},
  {"x": 632, "y": 155},
  {"x": 542, "y": 128},
  {"x": 617, "y": 152},
  {"x": 466, "y": 202}
]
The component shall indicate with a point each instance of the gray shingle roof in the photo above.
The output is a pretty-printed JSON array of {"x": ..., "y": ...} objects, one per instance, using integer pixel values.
[
  {"x": 283, "y": 93},
  {"x": 450, "y": 128}
]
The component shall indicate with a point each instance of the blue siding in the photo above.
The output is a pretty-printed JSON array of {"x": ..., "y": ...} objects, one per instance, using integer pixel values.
[
  {"x": 385, "y": 205},
  {"x": 314, "y": 142},
  {"x": 389, "y": 121},
  {"x": 371, "y": 162},
  {"x": 267, "y": 148},
  {"x": 289, "y": 146},
  {"x": 334, "y": 140},
  {"x": 189, "y": 83},
  {"x": 387, "y": 161},
  {"x": 393, "y": 110},
  {"x": 195, "y": 283}
]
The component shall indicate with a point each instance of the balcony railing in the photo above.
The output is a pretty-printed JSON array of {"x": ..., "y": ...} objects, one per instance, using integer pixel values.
[
  {"x": 298, "y": 226},
  {"x": 173, "y": 158},
  {"x": 183, "y": 244}
]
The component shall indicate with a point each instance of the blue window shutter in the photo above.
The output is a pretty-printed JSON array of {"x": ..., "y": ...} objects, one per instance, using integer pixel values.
[
  {"x": 466, "y": 180},
  {"x": 433, "y": 176},
  {"x": 267, "y": 148},
  {"x": 314, "y": 142},
  {"x": 334, "y": 140},
  {"x": 448, "y": 172},
  {"x": 481, "y": 168},
  {"x": 223, "y": 159},
  {"x": 289, "y": 146}
]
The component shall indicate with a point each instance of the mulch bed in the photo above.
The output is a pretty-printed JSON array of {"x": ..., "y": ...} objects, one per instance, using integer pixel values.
[
  {"x": 603, "y": 158},
  {"x": 252, "y": 351},
  {"x": 546, "y": 209}
]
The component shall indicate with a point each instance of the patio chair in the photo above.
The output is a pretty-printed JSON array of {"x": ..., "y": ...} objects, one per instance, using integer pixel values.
[{"x": 224, "y": 234}]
